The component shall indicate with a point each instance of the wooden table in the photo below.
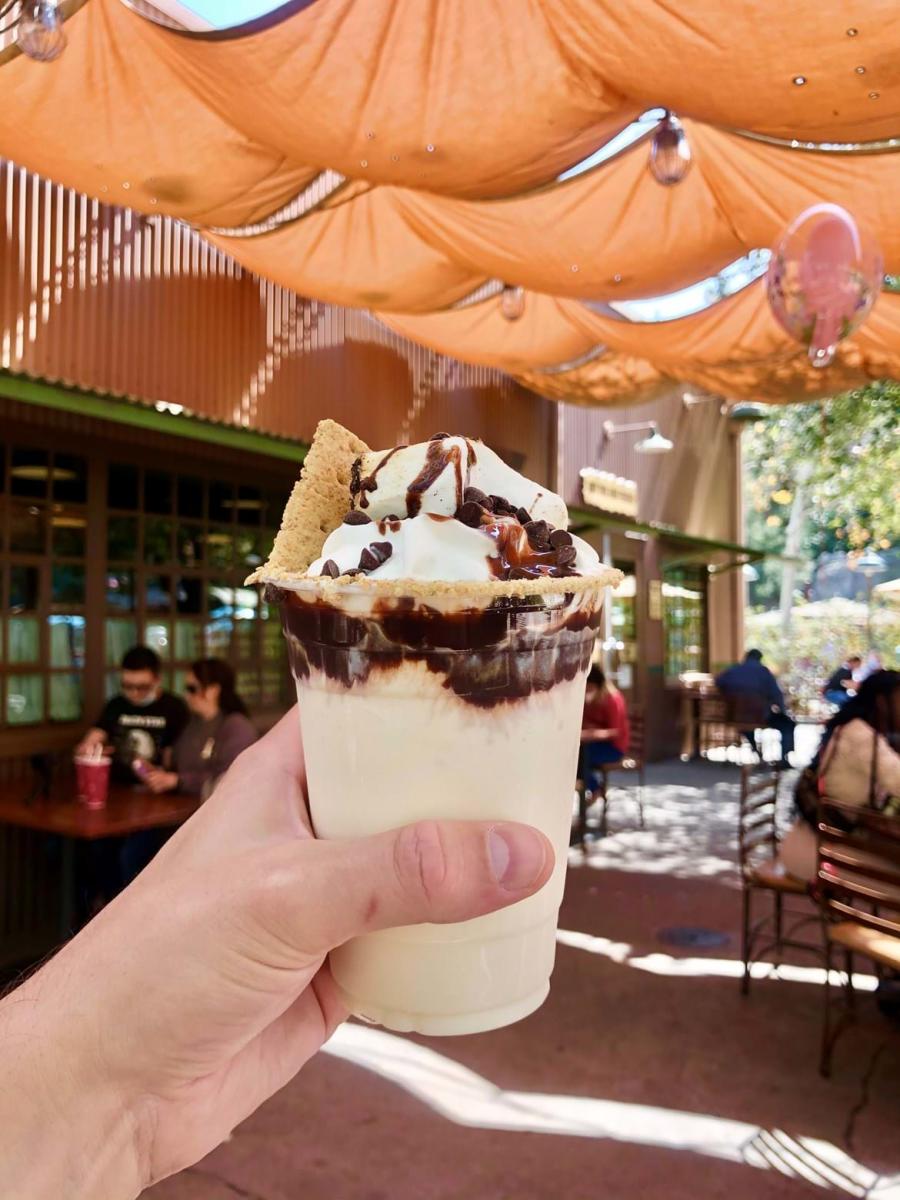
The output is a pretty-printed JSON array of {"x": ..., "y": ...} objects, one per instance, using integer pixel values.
[
  {"x": 128, "y": 810},
  {"x": 691, "y": 701}
]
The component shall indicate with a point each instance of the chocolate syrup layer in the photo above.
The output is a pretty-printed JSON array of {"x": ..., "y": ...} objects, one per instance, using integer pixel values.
[{"x": 486, "y": 656}]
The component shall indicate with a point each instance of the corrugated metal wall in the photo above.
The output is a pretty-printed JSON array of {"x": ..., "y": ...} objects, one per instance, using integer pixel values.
[{"x": 103, "y": 298}]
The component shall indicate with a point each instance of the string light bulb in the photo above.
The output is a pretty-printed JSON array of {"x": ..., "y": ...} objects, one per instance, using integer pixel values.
[
  {"x": 40, "y": 33},
  {"x": 512, "y": 302},
  {"x": 670, "y": 151}
]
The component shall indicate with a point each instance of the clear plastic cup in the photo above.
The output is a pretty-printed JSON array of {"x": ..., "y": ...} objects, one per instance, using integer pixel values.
[
  {"x": 92, "y": 781},
  {"x": 410, "y": 711}
]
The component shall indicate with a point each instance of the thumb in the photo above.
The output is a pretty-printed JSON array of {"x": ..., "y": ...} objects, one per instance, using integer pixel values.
[{"x": 430, "y": 872}]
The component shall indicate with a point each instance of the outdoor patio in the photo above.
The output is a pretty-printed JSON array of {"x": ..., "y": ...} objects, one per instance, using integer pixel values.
[{"x": 646, "y": 1069}]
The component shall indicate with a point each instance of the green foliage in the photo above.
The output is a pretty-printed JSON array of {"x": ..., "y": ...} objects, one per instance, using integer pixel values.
[{"x": 850, "y": 446}]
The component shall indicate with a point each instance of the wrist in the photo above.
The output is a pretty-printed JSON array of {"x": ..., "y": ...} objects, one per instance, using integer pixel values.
[{"x": 64, "y": 1129}]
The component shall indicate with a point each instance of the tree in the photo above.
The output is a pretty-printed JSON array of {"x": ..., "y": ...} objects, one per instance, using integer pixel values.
[{"x": 850, "y": 448}]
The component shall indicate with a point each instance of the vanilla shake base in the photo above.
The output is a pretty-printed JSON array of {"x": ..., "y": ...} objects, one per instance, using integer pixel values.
[{"x": 402, "y": 750}]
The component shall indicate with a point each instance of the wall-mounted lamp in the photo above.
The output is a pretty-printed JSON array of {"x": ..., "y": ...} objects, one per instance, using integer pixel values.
[
  {"x": 654, "y": 443},
  {"x": 747, "y": 412}
]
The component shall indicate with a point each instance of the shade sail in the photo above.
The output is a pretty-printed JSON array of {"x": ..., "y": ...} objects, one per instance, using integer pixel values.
[{"x": 445, "y": 128}]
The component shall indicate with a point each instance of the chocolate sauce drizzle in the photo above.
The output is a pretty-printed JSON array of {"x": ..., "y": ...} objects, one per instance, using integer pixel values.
[
  {"x": 360, "y": 484},
  {"x": 486, "y": 656},
  {"x": 437, "y": 459}
]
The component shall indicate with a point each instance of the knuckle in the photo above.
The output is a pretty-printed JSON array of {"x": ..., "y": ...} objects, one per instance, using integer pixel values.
[{"x": 420, "y": 859}]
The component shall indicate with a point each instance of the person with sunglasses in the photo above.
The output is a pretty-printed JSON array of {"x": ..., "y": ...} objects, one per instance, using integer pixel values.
[
  {"x": 142, "y": 722},
  {"x": 218, "y": 731}
]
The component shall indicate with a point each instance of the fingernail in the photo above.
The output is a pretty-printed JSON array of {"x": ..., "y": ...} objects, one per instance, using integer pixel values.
[{"x": 517, "y": 855}]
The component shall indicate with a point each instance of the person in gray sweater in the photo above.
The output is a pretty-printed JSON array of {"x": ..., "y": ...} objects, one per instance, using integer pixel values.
[{"x": 218, "y": 731}]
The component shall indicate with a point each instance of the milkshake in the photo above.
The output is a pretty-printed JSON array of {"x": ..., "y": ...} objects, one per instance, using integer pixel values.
[{"x": 440, "y": 622}]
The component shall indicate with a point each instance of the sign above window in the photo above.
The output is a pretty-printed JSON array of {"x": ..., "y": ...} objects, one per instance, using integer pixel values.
[{"x": 612, "y": 493}]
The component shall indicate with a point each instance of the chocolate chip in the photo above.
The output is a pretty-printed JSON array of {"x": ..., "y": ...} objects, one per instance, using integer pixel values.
[
  {"x": 566, "y": 555},
  {"x": 501, "y": 506},
  {"x": 368, "y": 561},
  {"x": 381, "y": 550},
  {"x": 353, "y": 571},
  {"x": 330, "y": 567},
  {"x": 538, "y": 535},
  {"x": 355, "y": 517},
  {"x": 439, "y": 437},
  {"x": 521, "y": 573},
  {"x": 523, "y": 516},
  {"x": 470, "y": 513},
  {"x": 477, "y": 496},
  {"x": 391, "y": 517},
  {"x": 559, "y": 537}
]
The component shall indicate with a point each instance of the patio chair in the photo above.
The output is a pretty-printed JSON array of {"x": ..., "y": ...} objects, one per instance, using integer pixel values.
[
  {"x": 762, "y": 874},
  {"x": 858, "y": 888},
  {"x": 633, "y": 761},
  {"x": 727, "y": 721}
]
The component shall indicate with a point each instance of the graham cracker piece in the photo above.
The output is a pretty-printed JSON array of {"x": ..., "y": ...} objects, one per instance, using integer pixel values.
[{"x": 318, "y": 502}]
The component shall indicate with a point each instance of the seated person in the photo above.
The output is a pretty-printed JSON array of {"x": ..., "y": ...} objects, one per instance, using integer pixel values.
[
  {"x": 606, "y": 717},
  {"x": 142, "y": 722},
  {"x": 855, "y": 763},
  {"x": 751, "y": 680},
  {"x": 219, "y": 729},
  {"x": 840, "y": 685}
]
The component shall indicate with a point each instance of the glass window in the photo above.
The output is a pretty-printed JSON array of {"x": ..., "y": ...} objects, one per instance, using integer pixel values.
[
  {"x": 157, "y": 593},
  {"x": 158, "y": 637},
  {"x": 24, "y": 585},
  {"x": 70, "y": 478},
  {"x": 157, "y": 492},
  {"x": 190, "y": 497},
  {"x": 121, "y": 539},
  {"x": 65, "y": 696},
  {"x": 122, "y": 486},
  {"x": 245, "y": 623},
  {"x": 157, "y": 541},
  {"x": 27, "y": 529},
  {"x": 2, "y": 467},
  {"x": 69, "y": 531},
  {"x": 189, "y": 540},
  {"x": 248, "y": 686},
  {"x": 24, "y": 640},
  {"x": 188, "y": 640},
  {"x": 221, "y": 502},
  {"x": 249, "y": 505},
  {"x": 67, "y": 584},
  {"x": 120, "y": 591},
  {"x": 66, "y": 640},
  {"x": 218, "y": 549},
  {"x": 121, "y": 635},
  {"x": 189, "y": 596},
  {"x": 24, "y": 699},
  {"x": 684, "y": 620},
  {"x": 29, "y": 473}
]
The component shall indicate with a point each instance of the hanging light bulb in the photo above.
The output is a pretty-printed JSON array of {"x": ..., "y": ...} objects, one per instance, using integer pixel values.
[
  {"x": 512, "y": 302},
  {"x": 40, "y": 33},
  {"x": 670, "y": 151}
]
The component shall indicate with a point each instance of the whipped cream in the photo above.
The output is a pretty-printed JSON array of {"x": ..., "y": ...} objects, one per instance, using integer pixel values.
[
  {"x": 451, "y": 510},
  {"x": 432, "y": 476}
]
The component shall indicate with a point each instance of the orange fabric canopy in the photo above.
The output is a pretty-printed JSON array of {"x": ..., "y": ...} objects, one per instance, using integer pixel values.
[{"x": 447, "y": 128}]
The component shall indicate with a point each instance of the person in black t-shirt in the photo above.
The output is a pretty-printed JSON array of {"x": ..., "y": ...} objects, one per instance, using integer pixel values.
[{"x": 142, "y": 722}]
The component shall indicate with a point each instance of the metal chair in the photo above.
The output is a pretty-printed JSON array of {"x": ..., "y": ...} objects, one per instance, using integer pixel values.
[
  {"x": 858, "y": 889},
  {"x": 727, "y": 721},
  {"x": 633, "y": 761},
  {"x": 762, "y": 873}
]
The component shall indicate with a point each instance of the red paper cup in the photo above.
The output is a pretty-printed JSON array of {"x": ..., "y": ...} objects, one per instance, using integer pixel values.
[{"x": 93, "y": 781}]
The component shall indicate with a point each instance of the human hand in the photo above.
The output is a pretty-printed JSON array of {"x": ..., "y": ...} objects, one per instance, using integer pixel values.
[
  {"x": 203, "y": 988},
  {"x": 93, "y": 737},
  {"x": 158, "y": 780}
]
